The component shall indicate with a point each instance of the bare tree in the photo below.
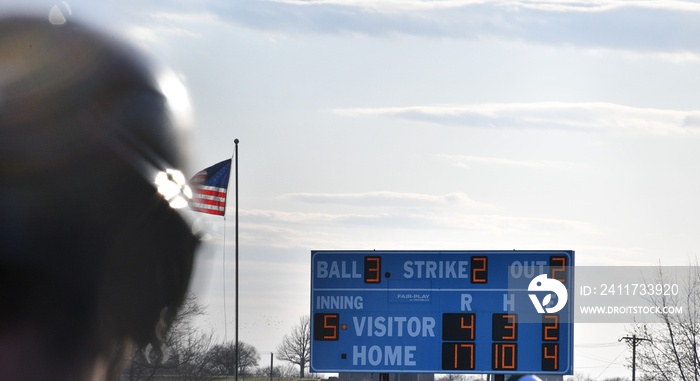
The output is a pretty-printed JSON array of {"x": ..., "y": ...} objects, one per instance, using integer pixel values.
[
  {"x": 286, "y": 371},
  {"x": 223, "y": 358},
  {"x": 264, "y": 372},
  {"x": 585, "y": 377},
  {"x": 671, "y": 352},
  {"x": 289, "y": 371},
  {"x": 452, "y": 377},
  {"x": 296, "y": 346},
  {"x": 182, "y": 353}
]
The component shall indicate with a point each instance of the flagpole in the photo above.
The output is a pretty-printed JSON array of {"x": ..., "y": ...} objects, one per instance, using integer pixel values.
[
  {"x": 238, "y": 354},
  {"x": 223, "y": 282},
  {"x": 210, "y": 195}
]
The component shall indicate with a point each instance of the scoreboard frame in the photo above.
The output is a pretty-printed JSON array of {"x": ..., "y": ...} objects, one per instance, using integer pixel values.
[{"x": 468, "y": 311}]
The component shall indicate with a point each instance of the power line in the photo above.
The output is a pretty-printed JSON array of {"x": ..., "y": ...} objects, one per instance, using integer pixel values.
[
  {"x": 612, "y": 362},
  {"x": 597, "y": 345}
]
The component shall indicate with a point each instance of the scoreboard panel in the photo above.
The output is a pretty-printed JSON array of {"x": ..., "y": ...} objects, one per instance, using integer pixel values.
[{"x": 442, "y": 311}]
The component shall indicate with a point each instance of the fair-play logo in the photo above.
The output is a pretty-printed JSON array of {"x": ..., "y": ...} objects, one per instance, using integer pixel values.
[{"x": 541, "y": 283}]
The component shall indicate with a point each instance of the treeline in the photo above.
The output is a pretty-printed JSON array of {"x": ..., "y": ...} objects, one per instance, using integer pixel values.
[{"x": 188, "y": 354}]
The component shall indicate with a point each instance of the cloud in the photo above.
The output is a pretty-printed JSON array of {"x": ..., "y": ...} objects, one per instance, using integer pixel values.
[
  {"x": 642, "y": 26},
  {"x": 667, "y": 28},
  {"x": 466, "y": 161},
  {"x": 386, "y": 198},
  {"x": 585, "y": 6},
  {"x": 386, "y": 211},
  {"x": 157, "y": 27},
  {"x": 386, "y": 219},
  {"x": 544, "y": 115},
  {"x": 396, "y": 229}
]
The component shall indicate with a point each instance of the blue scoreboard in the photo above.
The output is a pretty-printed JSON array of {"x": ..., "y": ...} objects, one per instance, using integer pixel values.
[{"x": 497, "y": 312}]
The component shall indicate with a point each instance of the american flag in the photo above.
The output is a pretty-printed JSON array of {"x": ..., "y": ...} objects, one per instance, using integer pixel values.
[{"x": 209, "y": 188}]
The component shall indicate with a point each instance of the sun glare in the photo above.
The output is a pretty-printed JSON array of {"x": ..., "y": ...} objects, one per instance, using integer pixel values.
[
  {"x": 178, "y": 98},
  {"x": 172, "y": 185}
]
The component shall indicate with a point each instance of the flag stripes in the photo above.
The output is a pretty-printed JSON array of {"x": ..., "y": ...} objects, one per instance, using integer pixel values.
[{"x": 209, "y": 189}]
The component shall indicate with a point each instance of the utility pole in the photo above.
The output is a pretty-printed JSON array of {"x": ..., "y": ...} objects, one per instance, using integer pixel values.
[{"x": 634, "y": 339}]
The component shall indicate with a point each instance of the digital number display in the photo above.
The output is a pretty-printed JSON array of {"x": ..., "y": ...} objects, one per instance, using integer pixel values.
[
  {"x": 458, "y": 327},
  {"x": 550, "y": 357},
  {"x": 550, "y": 347},
  {"x": 480, "y": 271},
  {"x": 326, "y": 326},
  {"x": 461, "y": 328},
  {"x": 440, "y": 312},
  {"x": 558, "y": 268},
  {"x": 458, "y": 356},
  {"x": 550, "y": 327},
  {"x": 504, "y": 327},
  {"x": 505, "y": 356},
  {"x": 373, "y": 269}
]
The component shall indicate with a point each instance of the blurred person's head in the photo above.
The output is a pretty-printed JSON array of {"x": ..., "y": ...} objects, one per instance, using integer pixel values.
[
  {"x": 524, "y": 377},
  {"x": 93, "y": 259}
]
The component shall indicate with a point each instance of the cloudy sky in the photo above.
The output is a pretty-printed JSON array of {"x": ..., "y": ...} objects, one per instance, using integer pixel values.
[{"x": 431, "y": 124}]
